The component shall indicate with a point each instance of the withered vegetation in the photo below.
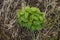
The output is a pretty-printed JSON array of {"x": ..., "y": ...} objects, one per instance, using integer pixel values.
[{"x": 11, "y": 30}]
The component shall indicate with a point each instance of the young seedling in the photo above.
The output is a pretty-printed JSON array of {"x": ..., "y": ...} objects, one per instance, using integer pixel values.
[{"x": 32, "y": 18}]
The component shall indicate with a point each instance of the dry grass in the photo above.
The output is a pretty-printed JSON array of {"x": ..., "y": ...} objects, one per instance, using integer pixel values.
[{"x": 11, "y": 30}]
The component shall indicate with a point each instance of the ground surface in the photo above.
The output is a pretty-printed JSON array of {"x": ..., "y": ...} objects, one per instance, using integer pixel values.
[{"x": 11, "y": 30}]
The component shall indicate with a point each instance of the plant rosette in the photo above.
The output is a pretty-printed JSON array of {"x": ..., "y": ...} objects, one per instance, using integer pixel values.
[{"x": 32, "y": 18}]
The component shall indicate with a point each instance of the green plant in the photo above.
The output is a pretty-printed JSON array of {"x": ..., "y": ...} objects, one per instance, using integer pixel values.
[{"x": 32, "y": 18}]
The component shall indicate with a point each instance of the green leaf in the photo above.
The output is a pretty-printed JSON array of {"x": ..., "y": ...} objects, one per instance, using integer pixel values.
[
  {"x": 41, "y": 18},
  {"x": 33, "y": 27},
  {"x": 36, "y": 22},
  {"x": 26, "y": 15},
  {"x": 34, "y": 17}
]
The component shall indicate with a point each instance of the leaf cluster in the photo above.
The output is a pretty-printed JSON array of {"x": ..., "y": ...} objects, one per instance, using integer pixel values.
[{"x": 32, "y": 18}]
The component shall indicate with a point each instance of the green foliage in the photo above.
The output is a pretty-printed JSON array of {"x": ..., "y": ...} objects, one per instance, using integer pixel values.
[{"x": 32, "y": 18}]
